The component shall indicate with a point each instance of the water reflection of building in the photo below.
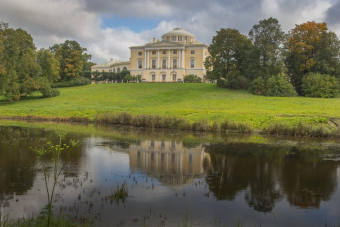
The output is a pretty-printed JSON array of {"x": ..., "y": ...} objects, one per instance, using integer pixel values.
[{"x": 158, "y": 156}]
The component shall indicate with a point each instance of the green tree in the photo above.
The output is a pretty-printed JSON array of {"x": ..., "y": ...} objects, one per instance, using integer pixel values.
[
  {"x": 228, "y": 52},
  {"x": 20, "y": 73},
  {"x": 49, "y": 65},
  {"x": 87, "y": 63},
  {"x": 20, "y": 68},
  {"x": 70, "y": 57},
  {"x": 327, "y": 54},
  {"x": 265, "y": 58}
]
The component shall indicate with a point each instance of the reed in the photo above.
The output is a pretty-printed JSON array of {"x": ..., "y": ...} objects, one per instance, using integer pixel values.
[{"x": 302, "y": 129}]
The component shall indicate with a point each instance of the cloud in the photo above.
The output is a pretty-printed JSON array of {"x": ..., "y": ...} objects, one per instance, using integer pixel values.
[{"x": 54, "y": 21}]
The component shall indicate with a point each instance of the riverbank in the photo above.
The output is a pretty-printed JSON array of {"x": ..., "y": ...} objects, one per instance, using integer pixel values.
[{"x": 202, "y": 107}]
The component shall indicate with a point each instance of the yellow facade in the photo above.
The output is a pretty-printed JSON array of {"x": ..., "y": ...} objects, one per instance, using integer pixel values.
[{"x": 178, "y": 54}]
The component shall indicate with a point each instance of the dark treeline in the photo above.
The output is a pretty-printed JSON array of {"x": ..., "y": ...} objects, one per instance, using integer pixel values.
[
  {"x": 304, "y": 61},
  {"x": 25, "y": 70}
]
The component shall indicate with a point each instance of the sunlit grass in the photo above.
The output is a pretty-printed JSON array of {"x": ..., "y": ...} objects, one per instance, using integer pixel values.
[{"x": 190, "y": 101}]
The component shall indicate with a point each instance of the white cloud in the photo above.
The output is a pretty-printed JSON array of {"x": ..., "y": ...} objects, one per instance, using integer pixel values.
[{"x": 54, "y": 21}]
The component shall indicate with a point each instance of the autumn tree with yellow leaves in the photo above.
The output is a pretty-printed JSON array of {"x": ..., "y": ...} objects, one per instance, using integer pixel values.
[{"x": 311, "y": 48}]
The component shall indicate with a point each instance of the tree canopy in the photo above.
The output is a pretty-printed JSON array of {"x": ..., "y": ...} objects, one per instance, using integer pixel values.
[
  {"x": 312, "y": 49},
  {"x": 228, "y": 52},
  {"x": 308, "y": 48},
  {"x": 23, "y": 69}
]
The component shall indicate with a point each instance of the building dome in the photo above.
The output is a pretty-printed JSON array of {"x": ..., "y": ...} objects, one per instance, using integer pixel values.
[{"x": 178, "y": 35}]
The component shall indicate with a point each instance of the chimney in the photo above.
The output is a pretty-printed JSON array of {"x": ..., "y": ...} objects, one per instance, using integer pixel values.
[{"x": 154, "y": 40}]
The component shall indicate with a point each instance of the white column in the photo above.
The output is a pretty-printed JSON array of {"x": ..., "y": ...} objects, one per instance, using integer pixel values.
[
  {"x": 183, "y": 59},
  {"x": 145, "y": 59},
  {"x": 158, "y": 66},
  {"x": 169, "y": 58},
  {"x": 179, "y": 59}
]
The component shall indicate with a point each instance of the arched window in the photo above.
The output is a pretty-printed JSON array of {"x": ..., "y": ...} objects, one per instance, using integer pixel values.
[
  {"x": 114, "y": 70},
  {"x": 118, "y": 70},
  {"x": 124, "y": 68},
  {"x": 174, "y": 77}
]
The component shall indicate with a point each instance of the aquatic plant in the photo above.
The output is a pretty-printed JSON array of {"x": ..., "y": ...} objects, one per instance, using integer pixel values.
[
  {"x": 55, "y": 151},
  {"x": 119, "y": 194}
]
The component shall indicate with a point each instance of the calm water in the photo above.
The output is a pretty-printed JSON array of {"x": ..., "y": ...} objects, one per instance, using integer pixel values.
[{"x": 208, "y": 180}]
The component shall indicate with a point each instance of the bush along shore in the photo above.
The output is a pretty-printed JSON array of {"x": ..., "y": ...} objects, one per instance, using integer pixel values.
[{"x": 330, "y": 129}]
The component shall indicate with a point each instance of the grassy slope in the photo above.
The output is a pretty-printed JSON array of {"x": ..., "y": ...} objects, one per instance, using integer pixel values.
[{"x": 193, "y": 101}]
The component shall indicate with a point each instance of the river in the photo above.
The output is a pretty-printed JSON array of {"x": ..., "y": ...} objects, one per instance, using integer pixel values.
[{"x": 174, "y": 178}]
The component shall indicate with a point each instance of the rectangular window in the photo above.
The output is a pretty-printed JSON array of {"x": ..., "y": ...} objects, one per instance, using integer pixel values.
[
  {"x": 153, "y": 63},
  {"x": 164, "y": 63},
  {"x": 192, "y": 52},
  {"x": 164, "y": 52},
  {"x": 179, "y": 38},
  {"x": 175, "y": 52},
  {"x": 153, "y": 52},
  {"x": 174, "y": 63},
  {"x": 174, "y": 38},
  {"x": 168, "y": 38},
  {"x": 140, "y": 64},
  {"x": 140, "y": 53},
  {"x": 192, "y": 63}
]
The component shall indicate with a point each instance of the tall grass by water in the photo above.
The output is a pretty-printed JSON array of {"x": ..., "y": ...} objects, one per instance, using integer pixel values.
[{"x": 164, "y": 122}]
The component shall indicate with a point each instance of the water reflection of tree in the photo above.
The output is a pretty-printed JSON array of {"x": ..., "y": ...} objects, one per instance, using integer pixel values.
[
  {"x": 266, "y": 173},
  {"x": 306, "y": 182},
  {"x": 246, "y": 167},
  {"x": 18, "y": 162}
]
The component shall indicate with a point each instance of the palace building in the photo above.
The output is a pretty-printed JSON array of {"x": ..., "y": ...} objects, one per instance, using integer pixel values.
[{"x": 178, "y": 54}]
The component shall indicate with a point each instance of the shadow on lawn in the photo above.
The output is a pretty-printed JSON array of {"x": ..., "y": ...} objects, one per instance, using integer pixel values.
[{"x": 4, "y": 101}]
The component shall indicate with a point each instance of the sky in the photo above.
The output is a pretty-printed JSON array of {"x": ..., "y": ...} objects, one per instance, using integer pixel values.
[{"x": 107, "y": 28}]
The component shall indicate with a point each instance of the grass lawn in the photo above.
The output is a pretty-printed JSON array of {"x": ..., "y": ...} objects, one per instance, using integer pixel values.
[{"x": 192, "y": 101}]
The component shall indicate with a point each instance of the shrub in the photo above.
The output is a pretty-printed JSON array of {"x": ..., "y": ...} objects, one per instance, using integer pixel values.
[
  {"x": 236, "y": 81},
  {"x": 220, "y": 83},
  {"x": 79, "y": 81},
  {"x": 53, "y": 92},
  {"x": 319, "y": 86},
  {"x": 192, "y": 79},
  {"x": 279, "y": 86},
  {"x": 258, "y": 86}
]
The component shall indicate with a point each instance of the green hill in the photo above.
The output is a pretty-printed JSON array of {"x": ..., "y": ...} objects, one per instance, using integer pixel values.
[{"x": 192, "y": 101}]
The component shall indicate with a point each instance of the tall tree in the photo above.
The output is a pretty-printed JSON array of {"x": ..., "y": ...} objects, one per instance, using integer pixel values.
[
  {"x": 49, "y": 65},
  {"x": 265, "y": 58},
  {"x": 20, "y": 74},
  {"x": 311, "y": 48},
  {"x": 2, "y": 60},
  {"x": 69, "y": 55},
  {"x": 87, "y": 63},
  {"x": 228, "y": 52}
]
